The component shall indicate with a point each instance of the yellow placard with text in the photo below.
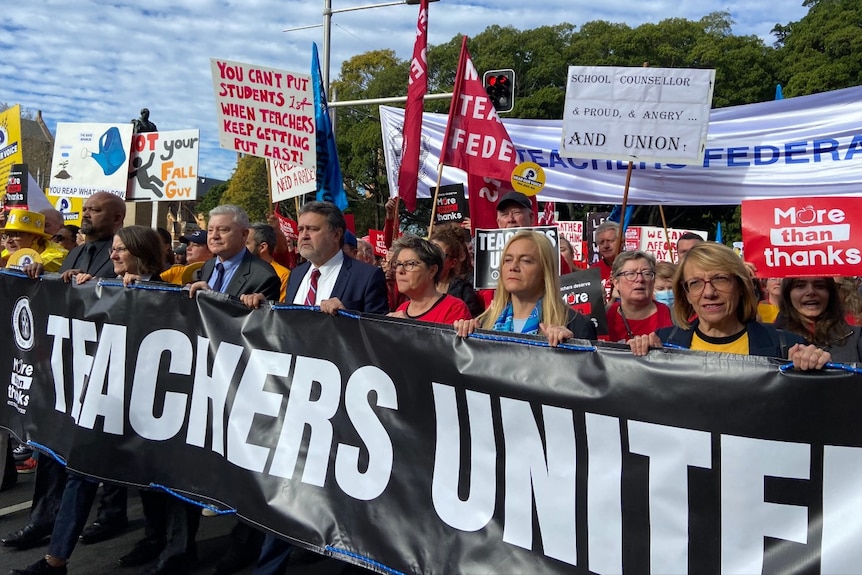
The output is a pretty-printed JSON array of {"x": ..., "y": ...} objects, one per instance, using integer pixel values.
[
  {"x": 69, "y": 206},
  {"x": 11, "y": 150}
]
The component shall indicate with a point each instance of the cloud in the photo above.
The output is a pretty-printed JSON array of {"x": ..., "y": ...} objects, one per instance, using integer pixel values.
[{"x": 92, "y": 61}]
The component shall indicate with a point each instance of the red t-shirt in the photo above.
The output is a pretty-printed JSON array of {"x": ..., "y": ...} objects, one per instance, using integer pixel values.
[
  {"x": 617, "y": 327},
  {"x": 447, "y": 309}
]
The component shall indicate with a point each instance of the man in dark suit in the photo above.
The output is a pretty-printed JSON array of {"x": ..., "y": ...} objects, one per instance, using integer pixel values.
[
  {"x": 332, "y": 281},
  {"x": 102, "y": 215},
  {"x": 234, "y": 270}
]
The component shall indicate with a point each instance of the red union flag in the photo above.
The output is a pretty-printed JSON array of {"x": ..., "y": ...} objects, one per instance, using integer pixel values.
[
  {"x": 478, "y": 143},
  {"x": 408, "y": 174},
  {"x": 814, "y": 236}
]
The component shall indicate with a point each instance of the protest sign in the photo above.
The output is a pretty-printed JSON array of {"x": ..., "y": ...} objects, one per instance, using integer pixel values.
[
  {"x": 451, "y": 204},
  {"x": 584, "y": 293},
  {"x": 90, "y": 158},
  {"x": 164, "y": 166},
  {"x": 11, "y": 150},
  {"x": 640, "y": 114},
  {"x": 398, "y": 446},
  {"x": 653, "y": 240},
  {"x": 290, "y": 180},
  {"x": 488, "y": 247},
  {"x": 377, "y": 239},
  {"x": 790, "y": 237},
  {"x": 265, "y": 112}
]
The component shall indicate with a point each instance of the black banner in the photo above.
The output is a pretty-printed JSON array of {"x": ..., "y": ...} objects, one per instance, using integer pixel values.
[
  {"x": 395, "y": 441},
  {"x": 451, "y": 204},
  {"x": 583, "y": 292}
]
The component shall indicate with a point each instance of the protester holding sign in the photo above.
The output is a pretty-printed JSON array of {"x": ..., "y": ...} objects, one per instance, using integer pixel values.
[
  {"x": 713, "y": 284},
  {"x": 637, "y": 313},
  {"x": 417, "y": 264},
  {"x": 811, "y": 308},
  {"x": 454, "y": 277},
  {"x": 528, "y": 273}
]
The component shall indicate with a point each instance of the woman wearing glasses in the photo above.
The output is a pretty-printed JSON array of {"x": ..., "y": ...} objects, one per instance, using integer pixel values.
[
  {"x": 811, "y": 308},
  {"x": 637, "y": 312},
  {"x": 527, "y": 299},
  {"x": 137, "y": 255},
  {"x": 416, "y": 264},
  {"x": 713, "y": 286},
  {"x": 25, "y": 230}
]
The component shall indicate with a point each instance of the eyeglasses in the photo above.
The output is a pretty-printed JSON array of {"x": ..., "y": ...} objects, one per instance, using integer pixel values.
[
  {"x": 59, "y": 238},
  {"x": 632, "y": 275},
  {"x": 512, "y": 212},
  {"x": 719, "y": 283},
  {"x": 408, "y": 266},
  {"x": 119, "y": 250}
]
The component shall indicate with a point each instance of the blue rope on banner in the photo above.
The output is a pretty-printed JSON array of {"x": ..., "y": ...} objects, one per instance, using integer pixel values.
[
  {"x": 363, "y": 558},
  {"x": 673, "y": 346},
  {"x": 531, "y": 342},
  {"x": 831, "y": 365},
  {"x": 140, "y": 285},
  {"x": 48, "y": 450},
  {"x": 345, "y": 313},
  {"x": 215, "y": 510}
]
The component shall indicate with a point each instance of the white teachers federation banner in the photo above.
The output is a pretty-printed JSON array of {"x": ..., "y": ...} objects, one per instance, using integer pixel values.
[
  {"x": 805, "y": 146},
  {"x": 398, "y": 446},
  {"x": 90, "y": 158},
  {"x": 265, "y": 112},
  {"x": 164, "y": 166},
  {"x": 638, "y": 114}
]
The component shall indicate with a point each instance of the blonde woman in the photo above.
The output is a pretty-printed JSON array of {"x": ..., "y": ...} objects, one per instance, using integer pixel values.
[{"x": 527, "y": 299}]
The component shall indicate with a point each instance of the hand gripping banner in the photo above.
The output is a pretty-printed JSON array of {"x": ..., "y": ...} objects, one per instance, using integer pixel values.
[{"x": 395, "y": 445}]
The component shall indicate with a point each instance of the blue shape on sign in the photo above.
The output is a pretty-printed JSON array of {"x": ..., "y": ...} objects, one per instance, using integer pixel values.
[{"x": 111, "y": 154}]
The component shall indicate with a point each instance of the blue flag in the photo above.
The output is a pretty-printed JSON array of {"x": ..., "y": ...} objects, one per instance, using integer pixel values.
[
  {"x": 330, "y": 186},
  {"x": 718, "y": 238},
  {"x": 779, "y": 93},
  {"x": 615, "y": 214}
]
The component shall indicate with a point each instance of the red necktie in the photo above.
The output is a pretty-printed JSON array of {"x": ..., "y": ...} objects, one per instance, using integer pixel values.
[{"x": 311, "y": 298}]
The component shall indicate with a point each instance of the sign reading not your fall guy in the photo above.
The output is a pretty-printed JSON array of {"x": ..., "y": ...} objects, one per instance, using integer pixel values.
[
  {"x": 788, "y": 237},
  {"x": 643, "y": 114},
  {"x": 164, "y": 166},
  {"x": 265, "y": 112}
]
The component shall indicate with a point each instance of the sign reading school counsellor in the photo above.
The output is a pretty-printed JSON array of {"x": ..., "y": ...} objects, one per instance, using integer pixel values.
[
  {"x": 489, "y": 246},
  {"x": 803, "y": 236},
  {"x": 289, "y": 180},
  {"x": 164, "y": 166},
  {"x": 640, "y": 114},
  {"x": 90, "y": 158},
  {"x": 265, "y": 112}
]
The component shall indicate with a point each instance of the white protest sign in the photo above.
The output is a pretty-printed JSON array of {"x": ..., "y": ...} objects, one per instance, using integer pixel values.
[
  {"x": 90, "y": 158},
  {"x": 164, "y": 166},
  {"x": 639, "y": 114},
  {"x": 653, "y": 240},
  {"x": 265, "y": 112},
  {"x": 289, "y": 181}
]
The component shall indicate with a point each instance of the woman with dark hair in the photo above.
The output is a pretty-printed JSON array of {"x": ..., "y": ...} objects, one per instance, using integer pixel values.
[
  {"x": 454, "y": 275},
  {"x": 527, "y": 299},
  {"x": 137, "y": 254},
  {"x": 416, "y": 264},
  {"x": 713, "y": 285},
  {"x": 67, "y": 237},
  {"x": 811, "y": 308},
  {"x": 637, "y": 312}
]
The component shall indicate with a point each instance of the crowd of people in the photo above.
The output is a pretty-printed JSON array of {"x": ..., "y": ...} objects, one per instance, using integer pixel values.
[{"x": 710, "y": 300}]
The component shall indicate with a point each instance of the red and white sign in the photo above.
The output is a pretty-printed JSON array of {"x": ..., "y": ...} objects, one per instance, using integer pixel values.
[
  {"x": 378, "y": 242},
  {"x": 788, "y": 237},
  {"x": 653, "y": 240},
  {"x": 288, "y": 227}
]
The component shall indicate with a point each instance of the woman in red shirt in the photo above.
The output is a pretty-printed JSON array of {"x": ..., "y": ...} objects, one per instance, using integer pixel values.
[
  {"x": 417, "y": 264},
  {"x": 637, "y": 313}
]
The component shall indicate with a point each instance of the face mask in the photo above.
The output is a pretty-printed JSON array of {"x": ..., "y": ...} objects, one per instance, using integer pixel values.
[{"x": 664, "y": 296}]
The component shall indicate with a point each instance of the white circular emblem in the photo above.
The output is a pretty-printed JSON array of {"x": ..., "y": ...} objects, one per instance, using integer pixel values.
[{"x": 22, "y": 324}]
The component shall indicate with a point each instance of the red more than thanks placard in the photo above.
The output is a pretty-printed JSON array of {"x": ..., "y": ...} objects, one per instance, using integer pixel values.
[{"x": 786, "y": 237}]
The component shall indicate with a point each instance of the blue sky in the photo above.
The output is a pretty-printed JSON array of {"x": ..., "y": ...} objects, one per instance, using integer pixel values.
[{"x": 97, "y": 61}]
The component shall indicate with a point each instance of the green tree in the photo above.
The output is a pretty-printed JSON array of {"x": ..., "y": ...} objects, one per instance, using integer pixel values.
[
  {"x": 823, "y": 51},
  {"x": 248, "y": 188}
]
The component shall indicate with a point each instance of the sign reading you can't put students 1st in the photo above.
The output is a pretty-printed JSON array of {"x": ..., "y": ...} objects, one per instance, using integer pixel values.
[{"x": 639, "y": 114}]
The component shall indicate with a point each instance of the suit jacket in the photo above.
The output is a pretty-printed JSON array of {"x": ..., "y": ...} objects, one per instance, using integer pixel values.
[
  {"x": 359, "y": 286},
  {"x": 253, "y": 275},
  {"x": 763, "y": 339},
  {"x": 101, "y": 264}
]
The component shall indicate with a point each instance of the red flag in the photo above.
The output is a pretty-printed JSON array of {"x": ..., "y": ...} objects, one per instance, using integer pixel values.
[
  {"x": 478, "y": 143},
  {"x": 408, "y": 174},
  {"x": 548, "y": 217}
]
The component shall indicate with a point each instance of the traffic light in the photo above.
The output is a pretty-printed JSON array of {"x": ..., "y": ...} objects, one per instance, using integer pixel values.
[{"x": 500, "y": 85}]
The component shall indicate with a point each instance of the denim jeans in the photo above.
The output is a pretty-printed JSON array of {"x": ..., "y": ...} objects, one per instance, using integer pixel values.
[{"x": 75, "y": 507}]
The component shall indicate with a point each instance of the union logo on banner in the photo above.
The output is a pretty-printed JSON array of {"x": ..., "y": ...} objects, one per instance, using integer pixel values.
[{"x": 789, "y": 237}]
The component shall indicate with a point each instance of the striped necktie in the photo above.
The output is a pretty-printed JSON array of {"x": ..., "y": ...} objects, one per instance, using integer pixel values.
[{"x": 311, "y": 298}]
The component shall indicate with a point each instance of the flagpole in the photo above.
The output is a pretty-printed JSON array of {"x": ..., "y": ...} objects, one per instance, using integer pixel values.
[
  {"x": 453, "y": 105},
  {"x": 664, "y": 225}
]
